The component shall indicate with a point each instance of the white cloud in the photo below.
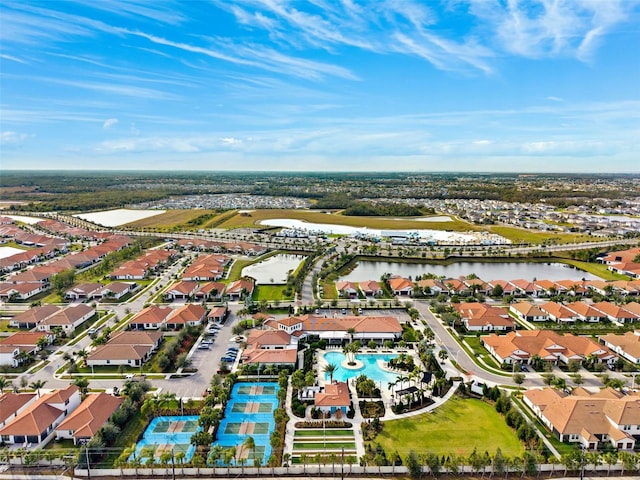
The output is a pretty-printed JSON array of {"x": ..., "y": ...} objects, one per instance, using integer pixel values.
[
  {"x": 12, "y": 139},
  {"x": 110, "y": 122}
]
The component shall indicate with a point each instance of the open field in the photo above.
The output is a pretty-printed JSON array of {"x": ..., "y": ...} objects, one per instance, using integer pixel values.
[
  {"x": 459, "y": 426},
  {"x": 253, "y": 219},
  {"x": 598, "y": 269},
  {"x": 169, "y": 219},
  {"x": 521, "y": 235}
]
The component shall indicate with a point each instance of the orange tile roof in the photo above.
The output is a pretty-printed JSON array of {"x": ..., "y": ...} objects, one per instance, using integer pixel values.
[
  {"x": 12, "y": 402},
  {"x": 270, "y": 356},
  {"x": 93, "y": 413},
  {"x": 39, "y": 415},
  {"x": 362, "y": 324},
  {"x": 334, "y": 395}
]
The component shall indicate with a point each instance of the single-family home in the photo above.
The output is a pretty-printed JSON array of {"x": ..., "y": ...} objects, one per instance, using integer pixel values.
[
  {"x": 188, "y": 315},
  {"x": 34, "y": 427},
  {"x": 593, "y": 420},
  {"x": 217, "y": 314},
  {"x": 617, "y": 314},
  {"x": 68, "y": 318},
  {"x": 151, "y": 318},
  {"x": 528, "y": 312},
  {"x": 182, "y": 290},
  {"x": 209, "y": 291},
  {"x": 370, "y": 288},
  {"x": 347, "y": 289},
  {"x": 559, "y": 313},
  {"x": 480, "y": 317},
  {"x": 585, "y": 312},
  {"x": 13, "y": 404},
  {"x": 523, "y": 345},
  {"x": 240, "y": 289},
  {"x": 401, "y": 287},
  {"x": 27, "y": 342},
  {"x": 131, "y": 348},
  {"x": 85, "y": 421},
  {"x": 626, "y": 345}
]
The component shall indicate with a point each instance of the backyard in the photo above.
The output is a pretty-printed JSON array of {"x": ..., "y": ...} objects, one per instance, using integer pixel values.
[{"x": 457, "y": 427}]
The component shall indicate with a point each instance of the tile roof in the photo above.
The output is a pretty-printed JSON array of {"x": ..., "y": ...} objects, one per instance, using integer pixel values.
[
  {"x": 93, "y": 413},
  {"x": 335, "y": 394}
]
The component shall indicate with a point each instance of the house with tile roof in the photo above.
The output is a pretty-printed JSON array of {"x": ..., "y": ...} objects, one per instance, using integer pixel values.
[
  {"x": 34, "y": 427},
  {"x": 68, "y": 318},
  {"x": 85, "y": 421},
  {"x": 240, "y": 289},
  {"x": 181, "y": 290},
  {"x": 508, "y": 288},
  {"x": 217, "y": 314},
  {"x": 616, "y": 313},
  {"x": 151, "y": 318},
  {"x": 30, "y": 318},
  {"x": 401, "y": 287},
  {"x": 188, "y": 315},
  {"x": 13, "y": 404},
  {"x": 559, "y": 313},
  {"x": 593, "y": 420},
  {"x": 83, "y": 291},
  {"x": 209, "y": 291},
  {"x": 431, "y": 286},
  {"x": 585, "y": 312},
  {"x": 480, "y": 317},
  {"x": 528, "y": 312},
  {"x": 131, "y": 348},
  {"x": 20, "y": 291},
  {"x": 370, "y": 288},
  {"x": 522, "y": 345},
  {"x": 27, "y": 342},
  {"x": 526, "y": 288},
  {"x": 347, "y": 289},
  {"x": 626, "y": 345},
  {"x": 335, "y": 396}
]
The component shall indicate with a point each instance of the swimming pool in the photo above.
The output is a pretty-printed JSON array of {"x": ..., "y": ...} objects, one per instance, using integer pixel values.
[
  {"x": 369, "y": 367},
  {"x": 168, "y": 435},
  {"x": 249, "y": 412}
]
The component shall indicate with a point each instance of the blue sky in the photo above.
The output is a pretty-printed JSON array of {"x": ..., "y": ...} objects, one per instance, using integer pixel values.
[{"x": 452, "y": 85}]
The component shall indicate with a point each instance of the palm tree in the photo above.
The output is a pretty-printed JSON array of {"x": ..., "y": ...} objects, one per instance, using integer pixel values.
[
  {"x": 180, "y": 459},
  {"x": 37, "y": 385},
  {"x": 3, "y": 384},
  {"x": 250, "y": 444},
  {"x": 83, "y": 354},
  {"x": 330, "y": 369},
  {"x": 82, "y": 384},
  {"x": 351, "y": 332}
]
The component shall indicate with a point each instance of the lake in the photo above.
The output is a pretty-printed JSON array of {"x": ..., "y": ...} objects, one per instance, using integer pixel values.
[
  {"x": 440, "y": 236},
  {"x": 115, "y": 218},
  {"x": 24, "y": 219},
  {"x": 373, "y": 270},
  {"x": 273, "y": 270}
]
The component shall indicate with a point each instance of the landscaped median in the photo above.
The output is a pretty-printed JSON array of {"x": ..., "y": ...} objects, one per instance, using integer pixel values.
[{"x": 473, "y": 354}]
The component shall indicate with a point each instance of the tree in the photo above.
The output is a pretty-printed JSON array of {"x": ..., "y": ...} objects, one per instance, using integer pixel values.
[
  {"x": 413, "y": 465},
  {"x": 498, "y": 462},
  {"x": 83, "y": 385},
  {"x": 37, "y": 385},
  {"x": 330, "y": 369},
  {"x": 4, "y": 383},
  {"x": 518, "y": 378},
  {"x": 443, "y": 355},
  {"x": 250, "y": 444}
]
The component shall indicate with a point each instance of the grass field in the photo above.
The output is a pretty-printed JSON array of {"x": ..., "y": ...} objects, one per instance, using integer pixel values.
[
  {"x": 597, "y": 269},
  {"x": 459, "y": 426},
  {"x": 244, "y": 221},
  {"x": 271, "y": 293},
  {"x": 521, "y": 235},
  {"x": 320, "y": 433},
  {"x": 169, "y": 219}
]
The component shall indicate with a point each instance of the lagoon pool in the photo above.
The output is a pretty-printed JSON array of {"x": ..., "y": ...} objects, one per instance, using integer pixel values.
[{"x": 369, "y": 367}]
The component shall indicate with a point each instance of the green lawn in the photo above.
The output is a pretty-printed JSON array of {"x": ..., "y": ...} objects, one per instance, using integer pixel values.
[
  {"x": 459, "y": 426},
  {"x": 323, "y": 445},
  {"x": 271, "y": 293},
  {"x": 319, "y": 433},
  {"x": 521, "y": 235}
]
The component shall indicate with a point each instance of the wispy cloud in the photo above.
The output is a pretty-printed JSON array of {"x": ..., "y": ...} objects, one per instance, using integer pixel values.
[
  {"x": 110, "y": 122},
  {"x": 12, "y": 139},
  {"x": 550, "y": 28},
  {"x": 12, "y": 58}
]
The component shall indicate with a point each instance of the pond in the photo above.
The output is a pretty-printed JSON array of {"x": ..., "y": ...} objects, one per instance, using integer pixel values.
[
  {"x": 373, "y": 270},
  {"x": 9, "y": 251},
  {"x": 273, "y": 270},
  {"x": 427, "y": 235},
  {"x": 115, "y": 218}
]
